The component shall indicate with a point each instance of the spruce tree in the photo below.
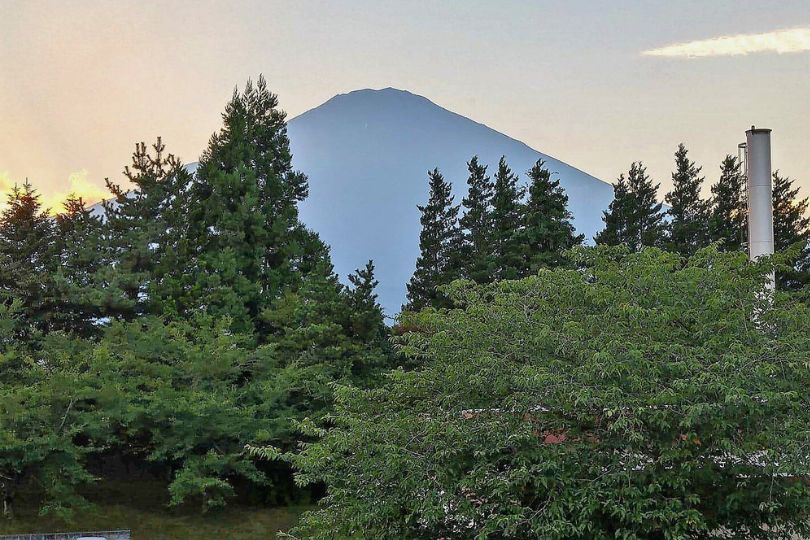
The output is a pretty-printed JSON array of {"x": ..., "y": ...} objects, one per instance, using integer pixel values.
[
  {"x": 646, "y": 225},
  {"x": 507, "y": 213},
  {"x": 547, "y": 228},
  {"x": 439, "y": 241},
  {"x": 791, "y": 225},
  {"x": 249, "y": 245},
  {"x": 615, "y": 217},
  {"x": 688, "y": 226},
  {"x": 476, "y": 255},
  {"x": 27, "y": 259},
  {"x": 727, "y": 219},
  {"x": 80, "y": 254},
  {"x": 634, "y": 217}
]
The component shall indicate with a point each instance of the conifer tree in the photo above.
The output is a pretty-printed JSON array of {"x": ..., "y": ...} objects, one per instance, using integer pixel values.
[
  {"x": 27, "y": 257},
  {"x": 616, "y": 217},
  {"x": 439, "y": 240},
  {"x": 145, "y": 234},
  {"x": 791, "y": 225},
  {"x": 475, "y": 224},
  {"x": 634, "y": 217},
  {"x": 547, "y": 222},
  {"x": 688, "y": 226},
  {"x": 80, "y": 255},
  {"x": 249, "y": 245},
  {"x": 727, "y": 219},
  {"x": 506, "y": 223}
]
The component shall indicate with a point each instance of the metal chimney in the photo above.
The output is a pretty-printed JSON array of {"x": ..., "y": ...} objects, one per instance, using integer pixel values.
[{"x": 760, "y": 203}]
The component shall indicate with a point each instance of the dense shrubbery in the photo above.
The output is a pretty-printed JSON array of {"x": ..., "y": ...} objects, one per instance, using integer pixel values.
[{"x": 634, "y": 397}]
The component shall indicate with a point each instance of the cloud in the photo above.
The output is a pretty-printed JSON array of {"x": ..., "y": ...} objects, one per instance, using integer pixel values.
[
  {"x": 77, "y": 185},
  {"x": 779, "y": 41}
]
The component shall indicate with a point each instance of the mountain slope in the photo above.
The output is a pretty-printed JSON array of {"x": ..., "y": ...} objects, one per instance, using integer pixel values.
[{"x": 367, "y": 154}]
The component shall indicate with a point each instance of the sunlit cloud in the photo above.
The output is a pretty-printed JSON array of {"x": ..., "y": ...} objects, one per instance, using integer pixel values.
[
  {"x": 78, "y": 185},
  {"x": 780, "y": 41}
]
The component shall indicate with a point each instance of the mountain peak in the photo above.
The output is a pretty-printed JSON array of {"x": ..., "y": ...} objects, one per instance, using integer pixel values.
[{"x": 367, "y": 154}]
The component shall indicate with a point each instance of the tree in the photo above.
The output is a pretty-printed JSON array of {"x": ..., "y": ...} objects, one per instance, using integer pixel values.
[
  {"x": 250, "y": 246},
  {"x": 640, "y": 403},
  {"x": 689, "y": 214},
  {"x": 635, "y": 217},
  {"x": 616, "y": 218},
  {"x": 476, "y": 224},
  {"x": 27, "y": 259},
  {"x": 547, "y": 228},
  {"x": 145, "y": 236},
  {"x": 439, "y": 241},
  {"x": 791, "y": 226},
  {"x": 728, "y": 213},
  {"x": 507, "y": 212}
]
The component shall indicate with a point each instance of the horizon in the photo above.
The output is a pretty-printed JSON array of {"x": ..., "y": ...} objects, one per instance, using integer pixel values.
[{"x": 92, "y": 79}]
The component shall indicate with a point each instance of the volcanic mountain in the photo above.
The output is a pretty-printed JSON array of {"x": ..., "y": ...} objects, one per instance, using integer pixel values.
[{"x": 367, "y": 154}]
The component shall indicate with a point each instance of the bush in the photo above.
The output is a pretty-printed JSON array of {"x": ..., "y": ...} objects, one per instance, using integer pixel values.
[{"x": 639, "y": 396}]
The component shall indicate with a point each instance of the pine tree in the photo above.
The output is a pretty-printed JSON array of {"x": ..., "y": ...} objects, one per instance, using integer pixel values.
[
  {"x": 616, "y": 217},
  {"x": 249, "y": 245},
  {"x": 507, "y": 223},
  {"x": 476, "y": 262},
  {"x": 439, "y": 240},
  {"x": 368, "y": 320},
  {"x": 688, "y": 226},
  {"x": 27, "y": 259},
  {"x": 791, "y": 225},
  {"x": 145, "y": 234},
  {"x": 547, "y": 224},
  {"x": 727, "y": 219},
  {"x": 634, "y": 217}
]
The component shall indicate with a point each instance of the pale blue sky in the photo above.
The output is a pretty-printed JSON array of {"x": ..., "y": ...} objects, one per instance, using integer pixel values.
[{"x": 82, "y": 81}]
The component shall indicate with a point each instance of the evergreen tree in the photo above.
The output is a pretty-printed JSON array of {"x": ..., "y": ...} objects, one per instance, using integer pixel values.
[
  {"x": 144, "y": 234},
  {"x": 506, "y": 224},
  {"x": 646, "y": 226},
  {"x": 688, "y": 226},
  {"x": 249, "y": 245},
  {"x": 616, "y": 217},
  {"x": 727, "y": 219},
  {"x": 78, "y": 249},
  {"x": 27, "y": 258},
  {"x": 439, "y": 240},
  {"x": 368, "y": 320},
  {"x": 791, "y": 225},
  {"x": 476, "y": 262},
  {"x": 547, "y": 228},
  {"x": 634, "y": 217}
]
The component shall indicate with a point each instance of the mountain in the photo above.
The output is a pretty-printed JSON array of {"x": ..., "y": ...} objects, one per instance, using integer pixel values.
[{"x": 367, "y": 154}]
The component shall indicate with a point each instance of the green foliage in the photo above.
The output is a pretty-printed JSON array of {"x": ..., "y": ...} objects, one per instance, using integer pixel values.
[
  {"x": 249, "y": 245},
  {"x": 639, "y": 396},
  {"x": 27, "y": 257},
  {"x": 476, "y": 224},
  {"x": 439, "y": 246},
  {"x": 728, "y": 220},
  {"x": 507, "y": 213},
  {"x": 688, "y": 226},
  {"x": 547, "y": 230},
  {"x": 791, "y": 226},
  {"x": 39, "y": 418},
  {"x": 634, "y": 217}
]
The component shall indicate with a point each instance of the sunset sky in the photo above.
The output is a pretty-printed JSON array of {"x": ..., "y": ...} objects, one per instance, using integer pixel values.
[{"x": 595, "y": 84}]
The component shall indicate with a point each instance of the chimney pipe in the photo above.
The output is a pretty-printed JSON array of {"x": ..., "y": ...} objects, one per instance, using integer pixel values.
[{"x": 760, "y": 202}]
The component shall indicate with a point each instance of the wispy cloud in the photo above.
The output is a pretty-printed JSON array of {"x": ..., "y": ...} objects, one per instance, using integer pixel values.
[{"x": 780, "y": 41}]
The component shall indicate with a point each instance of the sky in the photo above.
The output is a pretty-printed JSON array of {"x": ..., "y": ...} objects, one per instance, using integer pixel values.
[{"x": 595, "y": 84}]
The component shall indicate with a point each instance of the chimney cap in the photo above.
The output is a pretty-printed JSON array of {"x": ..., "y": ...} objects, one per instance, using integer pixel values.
[{"x": 755, "y": 129}]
